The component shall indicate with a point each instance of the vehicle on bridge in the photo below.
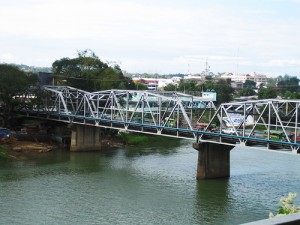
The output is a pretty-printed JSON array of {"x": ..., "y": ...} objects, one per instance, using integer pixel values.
[
  {"x": 170, "y": 122},
  {"x": 276, "y": 135},
  {"x": 230, "y": 130},
  {"x": 203, "y": 126},
  {"x": 292, "y": 137},
  {"x": 4, "y": 134},
  {"x": 200, "y": 126}
]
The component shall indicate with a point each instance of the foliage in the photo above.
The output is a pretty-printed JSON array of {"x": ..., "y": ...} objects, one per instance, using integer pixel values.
[
  {"x": 249, "y": 84},
  {"x": 4, "y": 153},
  {"x": 271, "y": 82},
  {"x": 89, "y": 73},
  {"x": 14, "y": 83},
  {"x": 288, "y": 83},
  {"x": 265, "y": 93},
  {"x": 246, "y": 92},
  {"x": 189, "y": 85},
  {"x": 223, "y": 89},
  {"x": 143, "y": 139},
  {"x": 287, "y": 206},
  {"x": 291, "y": 95},
  {"x": 170, "y": 87},
  {"x": 141, "y": 86}
]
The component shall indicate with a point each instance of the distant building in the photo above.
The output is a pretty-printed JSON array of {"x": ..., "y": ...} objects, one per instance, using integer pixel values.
[
  {"x": 157, "y": 83},
  {"x": 210, "y": 94},
  {"x": 198, "y": 79},
  {"x": 260, "y": 79},
  {"x": 237, "y": 85},
  {"x": 237, "y": 79}
]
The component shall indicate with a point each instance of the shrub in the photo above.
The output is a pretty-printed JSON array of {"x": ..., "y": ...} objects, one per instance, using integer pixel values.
[{"x": 287, "y": 206}]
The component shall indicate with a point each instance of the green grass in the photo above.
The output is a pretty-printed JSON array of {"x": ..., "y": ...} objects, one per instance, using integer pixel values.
[
  {"x": 142, "y": 139},
  {"x": 4, "y": 153}
]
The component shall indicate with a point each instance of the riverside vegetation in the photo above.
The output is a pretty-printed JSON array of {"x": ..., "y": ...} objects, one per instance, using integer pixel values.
[{"x": 287, "y": 206}]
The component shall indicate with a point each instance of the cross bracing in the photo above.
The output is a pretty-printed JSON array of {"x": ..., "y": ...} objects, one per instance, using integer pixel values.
[{"x": 267, "y": 123}]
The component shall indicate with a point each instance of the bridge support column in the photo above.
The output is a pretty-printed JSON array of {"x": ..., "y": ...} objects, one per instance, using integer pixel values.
[
  {"x": 213, "y": 160},
  {"x": 85, "y": 138}
]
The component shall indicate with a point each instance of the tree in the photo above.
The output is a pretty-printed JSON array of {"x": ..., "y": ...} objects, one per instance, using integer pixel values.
[
  {"x": 223, "y": 89},
  {"x": 187, "y": 85},
  {"x": 170, "y": 87},
  {"x": 271, "y": 82},
  {"x": 89, "y": 73},
  {"x": 291, "y": 95},
  {"x": 246, "y": 92},
  {"x": 288, "y": 83},
  {"x": 249, "y": 84},
  {"x": 14, "y": 89},
  {"x": 265, "y": 93},
  {"x": 141, "y": 86}
]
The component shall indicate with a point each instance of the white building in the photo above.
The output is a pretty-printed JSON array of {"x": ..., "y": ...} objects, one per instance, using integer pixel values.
[
  {"x": 195, "y": 78},
  {"x": 238, "y": 77},
  {"x": 209, "y": 94},
  {"x": 258, "y": 78}
]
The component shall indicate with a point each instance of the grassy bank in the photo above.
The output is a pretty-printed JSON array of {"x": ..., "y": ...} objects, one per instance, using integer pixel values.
[
  {"x": 142, "y": 139},
  {"x": 4, "y": 153}
]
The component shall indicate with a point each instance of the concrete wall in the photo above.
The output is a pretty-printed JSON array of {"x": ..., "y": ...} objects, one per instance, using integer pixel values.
[
  {"x": 213, "y": 160},
  {"x": 85, "y": 138},
  {"x": 291, "y": 219}
]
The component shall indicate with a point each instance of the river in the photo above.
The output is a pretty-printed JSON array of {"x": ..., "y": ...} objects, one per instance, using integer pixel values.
[{"x": 143, "y": 185}]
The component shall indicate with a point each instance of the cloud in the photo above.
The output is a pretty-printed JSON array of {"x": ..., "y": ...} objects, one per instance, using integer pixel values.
[
  {"x": 282, "y": 63},
  {"x": 153, "y": 35},
  {"x": 6, "y": 57}
]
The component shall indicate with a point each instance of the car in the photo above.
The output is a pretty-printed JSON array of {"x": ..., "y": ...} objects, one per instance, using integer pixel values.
[{"x": 229, "y": 131}]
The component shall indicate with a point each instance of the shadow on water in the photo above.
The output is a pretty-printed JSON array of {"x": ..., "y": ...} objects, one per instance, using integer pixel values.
[
  {"x": 53, "y": 163},
  {"x": 211, "y": 201},
  {"x": 90, "y": 162}
]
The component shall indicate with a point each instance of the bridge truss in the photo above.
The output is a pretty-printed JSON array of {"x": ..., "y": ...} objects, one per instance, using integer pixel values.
[
  {"x": 162, "y": 113},
  {"x": 268, "y": 123}
]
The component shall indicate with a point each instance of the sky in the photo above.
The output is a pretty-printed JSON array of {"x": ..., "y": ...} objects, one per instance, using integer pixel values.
[{"x": 156, "y": 36}]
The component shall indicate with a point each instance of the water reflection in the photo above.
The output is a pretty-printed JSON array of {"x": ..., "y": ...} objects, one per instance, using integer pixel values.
[
  {"x": 143, "y": 185},
  {"x": 32, "y": 165},
  {"x": 211, "y": 201},
  {"x": 160, "y": 146}
]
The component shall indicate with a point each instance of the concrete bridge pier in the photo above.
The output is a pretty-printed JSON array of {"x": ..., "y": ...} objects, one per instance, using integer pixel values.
[
  {"x": 213, "y": 160},
  {"x": 85, "y": 138}
]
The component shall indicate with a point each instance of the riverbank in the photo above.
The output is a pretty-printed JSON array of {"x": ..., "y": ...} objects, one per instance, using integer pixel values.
[{"x": 13, "y": 148}]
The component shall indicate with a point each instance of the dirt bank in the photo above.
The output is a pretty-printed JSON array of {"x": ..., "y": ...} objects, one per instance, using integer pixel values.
[{"x": 28, "y": 146}]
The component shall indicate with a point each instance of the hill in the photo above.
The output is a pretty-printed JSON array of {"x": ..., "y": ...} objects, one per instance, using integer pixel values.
[{"x": 33, "y": 69}]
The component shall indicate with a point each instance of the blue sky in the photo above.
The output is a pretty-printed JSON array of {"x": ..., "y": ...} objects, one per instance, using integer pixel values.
[{"x": 156, "y": 36}]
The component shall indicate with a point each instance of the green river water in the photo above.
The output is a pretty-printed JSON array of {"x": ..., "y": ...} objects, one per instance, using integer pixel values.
[{"x": 143, "y": 185}]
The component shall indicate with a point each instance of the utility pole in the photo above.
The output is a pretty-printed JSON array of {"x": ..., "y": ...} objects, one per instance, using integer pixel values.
[{"x": 206, "y": 67}]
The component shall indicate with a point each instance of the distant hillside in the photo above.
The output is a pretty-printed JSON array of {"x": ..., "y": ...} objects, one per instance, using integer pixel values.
[{"x": 33, "y": 69}]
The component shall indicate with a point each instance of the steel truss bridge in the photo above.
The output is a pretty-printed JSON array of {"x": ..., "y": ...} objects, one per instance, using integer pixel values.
[{"x": 270, "y": 123}]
